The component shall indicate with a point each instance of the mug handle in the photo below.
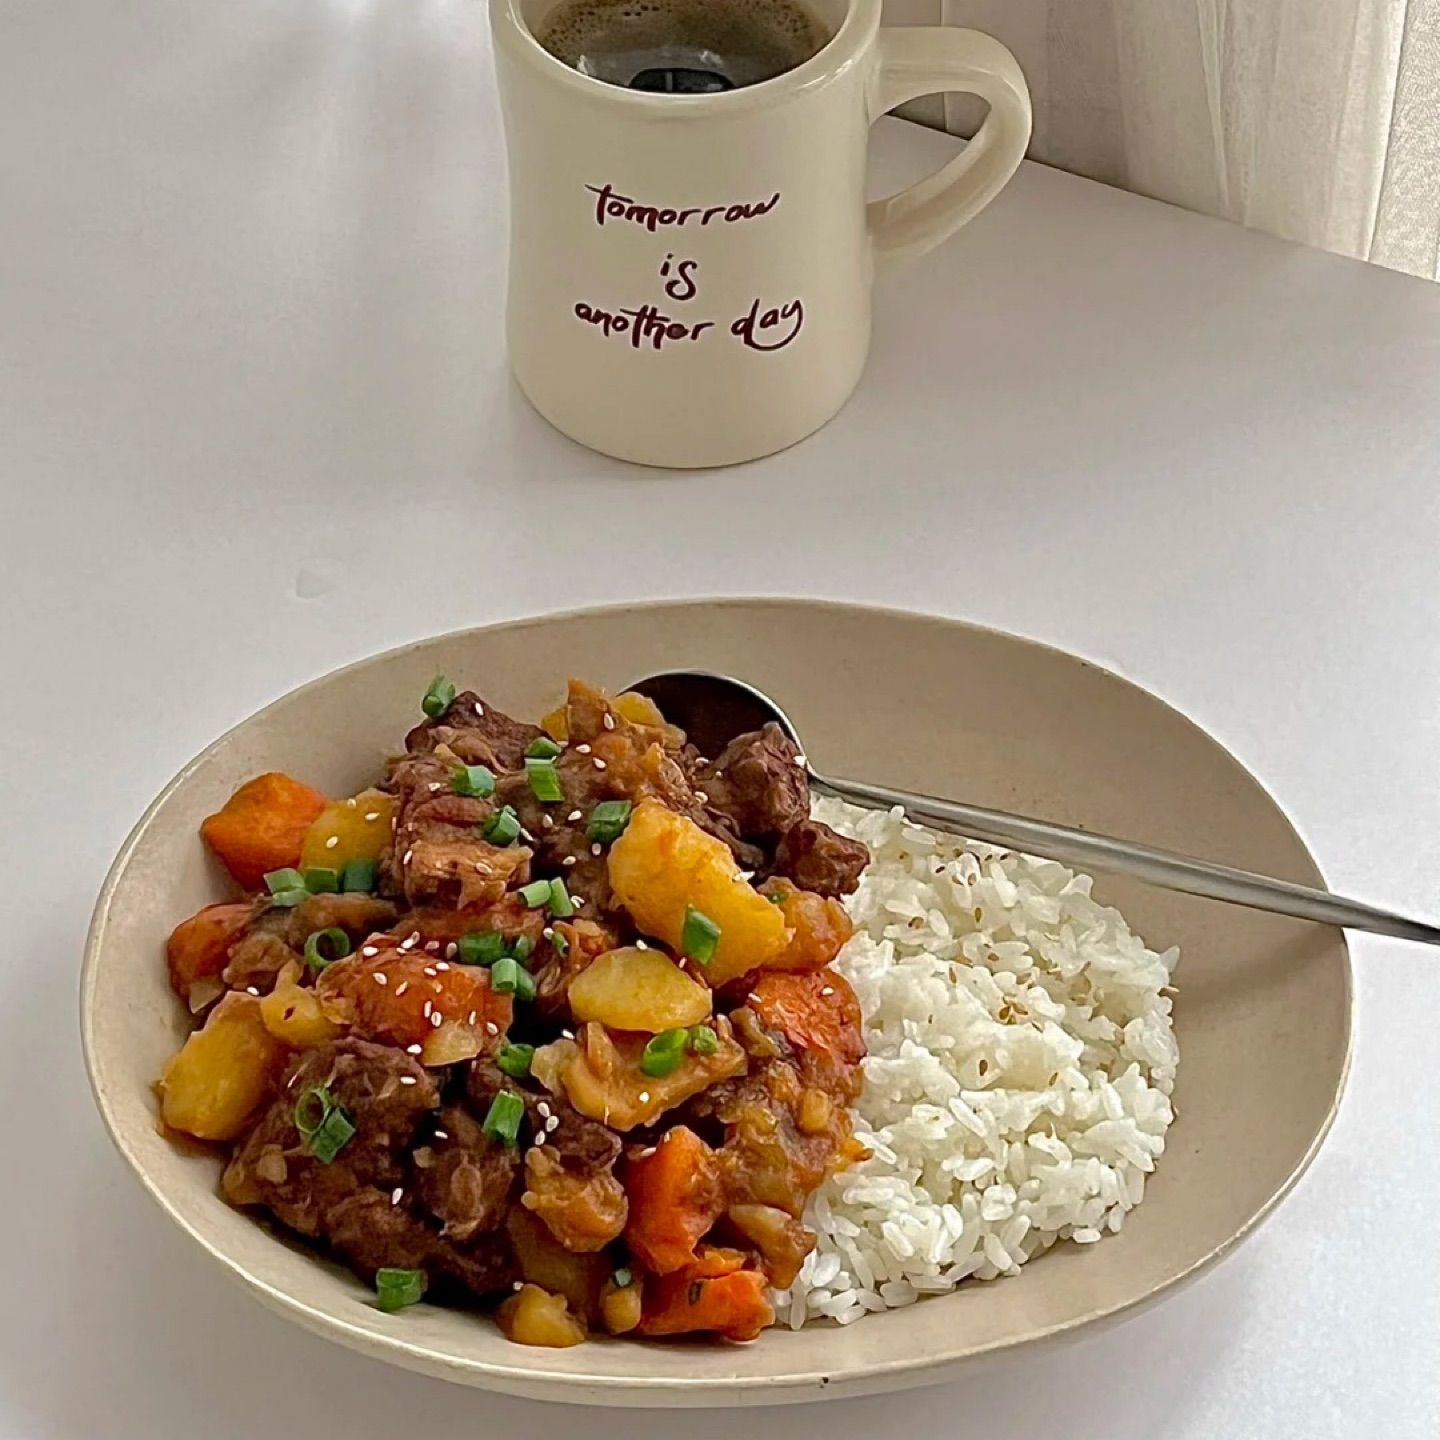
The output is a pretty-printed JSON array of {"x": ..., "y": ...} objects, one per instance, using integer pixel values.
[{"x": 915, "y": 61}]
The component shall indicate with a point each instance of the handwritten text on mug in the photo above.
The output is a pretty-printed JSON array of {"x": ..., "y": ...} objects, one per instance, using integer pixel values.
[{"x": 763, "y": 326}]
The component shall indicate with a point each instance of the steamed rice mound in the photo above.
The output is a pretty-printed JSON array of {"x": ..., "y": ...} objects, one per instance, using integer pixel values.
[{"x": 1017, "y": 1089}]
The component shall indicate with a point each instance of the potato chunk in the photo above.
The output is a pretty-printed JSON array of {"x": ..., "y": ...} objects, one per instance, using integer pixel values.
[
  {"x": 296, "y": 1015},
  {"x": 533, "y": 1316},
  {"x": 634, "y": 989},
  {"x": 222, "y": 1074},
  {"x": 665, "y": 864},
  {"x": 360, "y": 828}
]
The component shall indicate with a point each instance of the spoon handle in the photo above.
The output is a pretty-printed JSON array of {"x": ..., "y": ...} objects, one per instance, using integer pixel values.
[{"x": 1158, "y": 867}]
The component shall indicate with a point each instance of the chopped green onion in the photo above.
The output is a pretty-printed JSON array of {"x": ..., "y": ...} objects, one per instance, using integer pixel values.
[
  {"x": 535, "y": 894},
  {"x": 699, "y": 936},
  {"x": 624, "y": 1277},
  {"x": 481, "y": 947},
  {"x": 333, "y": 940},
  {"x": 544, "y": 781},
  {"x": 608, "y": 821},
  {"x": 359, "y": 875},
  {"x": 522, "y": 947},
  {"x": 473, "y": 780},
  {"x": 543, "y": 749},
  {"x": 509, "y": 977},
  {"x": 663, "y": 1053},
  {"x": 561, "y": 944},
  {"x": 323, "y": 1123},
  {"x": 396, "y": 1288},
  {"x": 321, "y": 880},
  {"x": 314, "y": 1104},
  {"x": 502, "y": 1119},
  {"x": 286, "y": 887},
  {"x": 703, "y": 1040},
  {"x": 515, "y": 1060},
  {"x": 438, "y": 697},
  {"x": 503, "y": 827},
  {"x": 561, "y": 905},
  {"x": 330, "y": 1139}
]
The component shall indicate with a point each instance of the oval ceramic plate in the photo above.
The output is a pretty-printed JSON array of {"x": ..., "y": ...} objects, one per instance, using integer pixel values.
[{"x": 1262, "y": 1014}]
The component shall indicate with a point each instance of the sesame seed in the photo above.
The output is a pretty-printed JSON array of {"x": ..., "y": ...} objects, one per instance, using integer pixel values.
[
  {"x": 368, "y": 950},
  {"x": 398, "y": 1193},
  {"x": 595, "y": 850},
  {"x": 470, "y": 1018},
  {"x": 578, "y": 901},
  {"x": 599, "y": 763},
  {"x": 432, "y": 946},
  {"x": 394, "y": 823},
  {"x": 752, "y": 996},
  {"x": 492, "y": 1027},
  {"x": 608, "y": 721},
  {"x": 517, "y": 1285},
  {"x": 429, "y": 970},
  {"x": 568, "y": 860},
  {"x": 552, "y": 1124},
  {"x": 441, "y": 965},
  {"x": 437, "y": 1019},
  {"x": 411, "y": 940},
  {"x": 413, "y": 1049},
  {"x": 401, "y": 988},
  {"x": 381, "y": 979},
  {"x": 641, "y": 945},
  {"x": 546, "y": 823},
  {"x": 352, "y": 802},
  {"x": 548, "y": 932},
  {"x": 582, "y": 749},
  {"x": 251, "y": 990},
  {"x": 451, "y": 950},
  {"x": 407, "y": 1080},
  {"x": 649, "y": 1150},
  {"x": 702, "y": 797},
  {"x": 426, "y": 1009},
  {"x": 644, "y": 1097},
  {"x": 332, "y": 842},
  {"x": 543, "y": 1108},
  {"x": 827, "y": 989},
  {"x": 573, "y": 816},
  {"x": 479, "y": 709},
  {"x": 442, "y": 1134},
  {"x": 433, "y": 786},
  {"x": 540, "y": 1137},
  {"x": 568, "y": 1034},
  {"x": 405, "y": 858},
  {"x": 372, "y": 815},
  {"x": 801, "y": 761}
]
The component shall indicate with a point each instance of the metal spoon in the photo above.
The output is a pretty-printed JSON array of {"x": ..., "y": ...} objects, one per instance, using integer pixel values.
[{"x": 713, "y": 709}]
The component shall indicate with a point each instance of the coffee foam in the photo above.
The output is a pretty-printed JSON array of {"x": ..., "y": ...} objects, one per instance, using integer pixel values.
[{"x": 756, "y": 38}]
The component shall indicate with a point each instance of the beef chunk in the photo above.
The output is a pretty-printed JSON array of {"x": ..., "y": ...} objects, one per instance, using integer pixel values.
[
  {"x": 463, "y": 1177},
  {"x": 276, "y": 936},
  {"x": 274, "y": 1168},
  {"x": 476, "y": 733},
  {"x": 362, "y": 1204},
  {"x": 571, "y": 1184},
  {"x": 758, "y": 784},
  {"x": 816, "y": 858},
  {"x": 438, "y": 856}
]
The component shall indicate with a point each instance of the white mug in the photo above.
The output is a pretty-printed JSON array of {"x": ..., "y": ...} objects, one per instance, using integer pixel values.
[{"x": 690, "y": 275}]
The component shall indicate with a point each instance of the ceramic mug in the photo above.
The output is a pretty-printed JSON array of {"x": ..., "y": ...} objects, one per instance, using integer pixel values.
[{"x": 690, "y": 275}]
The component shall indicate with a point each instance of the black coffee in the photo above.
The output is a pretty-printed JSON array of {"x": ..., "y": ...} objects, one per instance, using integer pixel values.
[{"x": 681, "y": 47}]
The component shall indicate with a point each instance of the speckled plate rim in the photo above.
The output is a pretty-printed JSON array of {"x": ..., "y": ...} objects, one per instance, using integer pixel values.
[{"x": 581, "y": 1386}]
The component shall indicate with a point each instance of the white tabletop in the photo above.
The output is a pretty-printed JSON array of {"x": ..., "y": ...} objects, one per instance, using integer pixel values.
[{"x": 255, "y": 422}]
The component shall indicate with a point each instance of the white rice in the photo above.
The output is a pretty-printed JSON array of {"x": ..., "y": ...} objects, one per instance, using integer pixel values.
[{"x": 1020, "y": 1063}]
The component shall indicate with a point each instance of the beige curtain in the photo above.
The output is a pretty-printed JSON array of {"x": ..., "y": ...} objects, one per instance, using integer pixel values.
[{"x": 1317, "y": 120}]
